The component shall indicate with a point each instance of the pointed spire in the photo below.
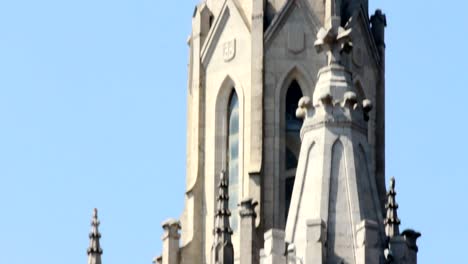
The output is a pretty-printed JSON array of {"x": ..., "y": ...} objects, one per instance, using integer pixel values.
[
  {"x": 94, "y": 250},
  {"x": 222, "y": 250},
  {"x": 391, "y": 221}
]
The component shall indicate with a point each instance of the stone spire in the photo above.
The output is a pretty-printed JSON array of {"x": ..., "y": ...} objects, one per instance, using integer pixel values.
[
  {"x": 335, "y": 209},
  {"x": 392, "y": 222},
  {"x": 222, "y": 250},
  {"x": 94, "y": 250}
]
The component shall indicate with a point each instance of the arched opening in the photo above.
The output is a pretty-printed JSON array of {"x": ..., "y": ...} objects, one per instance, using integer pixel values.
[
  {"x": 233, "y": 157},
  {"x": 292, "y": 140}
]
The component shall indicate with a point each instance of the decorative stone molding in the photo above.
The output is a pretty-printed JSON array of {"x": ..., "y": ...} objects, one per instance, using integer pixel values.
[
  {"x": 247, "y": 208},
  {"x": 329, "y": 112}
]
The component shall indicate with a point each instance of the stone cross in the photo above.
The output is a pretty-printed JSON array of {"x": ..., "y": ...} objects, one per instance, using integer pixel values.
[{"x": 333, "y": 39}]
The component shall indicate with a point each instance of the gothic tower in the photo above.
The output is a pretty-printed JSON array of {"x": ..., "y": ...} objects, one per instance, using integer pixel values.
[{"x": 250, "y": 62}]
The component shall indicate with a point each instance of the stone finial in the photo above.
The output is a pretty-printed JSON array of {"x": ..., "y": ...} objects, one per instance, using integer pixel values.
[
  {"x": 171, "y": 228},
  {"x": 378, "y": 22},
  {"x": 170, "y": 240},
  {"x": 247, "y": 208},
  {"x": 222, "y": 250},
  {"x": 94, "y": 249},
  {"x": 303, "y": 107},
  {"x": 248, "y": 249},
  {"x": 411, "y": 238},
  {"x": 391, "y": 221},
  {"x": 333, "y": 39},
  {"x": 350, "y": 99}
]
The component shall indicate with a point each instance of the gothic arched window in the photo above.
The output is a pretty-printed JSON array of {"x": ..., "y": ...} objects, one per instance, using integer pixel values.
[
  {"x": 233, "y": 157},
  {"x": 292, "y": 140}
]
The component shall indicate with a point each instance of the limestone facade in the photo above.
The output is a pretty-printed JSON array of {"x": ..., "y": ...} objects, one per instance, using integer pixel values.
[{"x": 249, "y": 64}]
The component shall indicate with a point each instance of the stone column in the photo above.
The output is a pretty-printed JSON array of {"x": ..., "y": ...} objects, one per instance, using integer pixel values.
[
  {"x": 170, "y": 240},
  {"x": 403, "y": 249},
  {"x": 316, "y": 238},
  {"x": 274, "y": 247},
  {"x": 368, "y": 246},
  {"x": 248, "y": 248},
  {"x": 411, "y": 237}
]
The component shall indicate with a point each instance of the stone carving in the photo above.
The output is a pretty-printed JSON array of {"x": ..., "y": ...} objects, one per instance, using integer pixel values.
[
  {"x": 229, "y": 50},
  {"x": 358, "y": 57},
  {"x": 334, "y": 40},
  {"x": 296, "y": 39}
]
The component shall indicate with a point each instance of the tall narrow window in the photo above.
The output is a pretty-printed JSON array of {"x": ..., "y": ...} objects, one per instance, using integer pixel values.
[
  {"x": 292, "y": 141},
  {"x": 233, "y": 158}
]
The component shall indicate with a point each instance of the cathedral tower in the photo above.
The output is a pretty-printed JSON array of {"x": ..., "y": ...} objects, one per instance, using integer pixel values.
[{"x": 250, "y": 63}]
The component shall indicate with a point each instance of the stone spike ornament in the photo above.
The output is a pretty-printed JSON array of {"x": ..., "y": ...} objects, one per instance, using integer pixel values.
[
  {"x": 391, "y": 221},
  {"x": 222, "y": 250},
  {"x": 94, "y": 250}
]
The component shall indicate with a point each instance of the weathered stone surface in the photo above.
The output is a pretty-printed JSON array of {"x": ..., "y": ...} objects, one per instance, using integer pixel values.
[{"x": 260, "y": 50}]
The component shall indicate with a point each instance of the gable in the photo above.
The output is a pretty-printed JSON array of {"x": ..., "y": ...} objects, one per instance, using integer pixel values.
[
  {"x": 362, "y": 35},
  {"x": 296, "y": 7},
  {"x": 230, "y": 17}
]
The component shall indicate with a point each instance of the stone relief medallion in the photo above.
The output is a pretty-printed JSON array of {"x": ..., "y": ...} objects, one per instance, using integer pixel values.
[
  {"x": 296, "y": 39},
  {"x": 358, "y": 56},
  {"x": 229, "y": 50}
]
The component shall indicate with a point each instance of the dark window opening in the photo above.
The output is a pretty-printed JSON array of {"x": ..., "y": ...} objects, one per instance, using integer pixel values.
[{"x": 292, "y": 140}]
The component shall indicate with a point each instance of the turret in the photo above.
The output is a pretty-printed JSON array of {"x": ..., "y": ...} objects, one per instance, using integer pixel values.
[{"x": 94, "y": 249}]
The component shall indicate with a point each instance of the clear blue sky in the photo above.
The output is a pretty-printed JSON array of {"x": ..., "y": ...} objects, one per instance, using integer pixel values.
[{"x": 93, "y": 114}]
